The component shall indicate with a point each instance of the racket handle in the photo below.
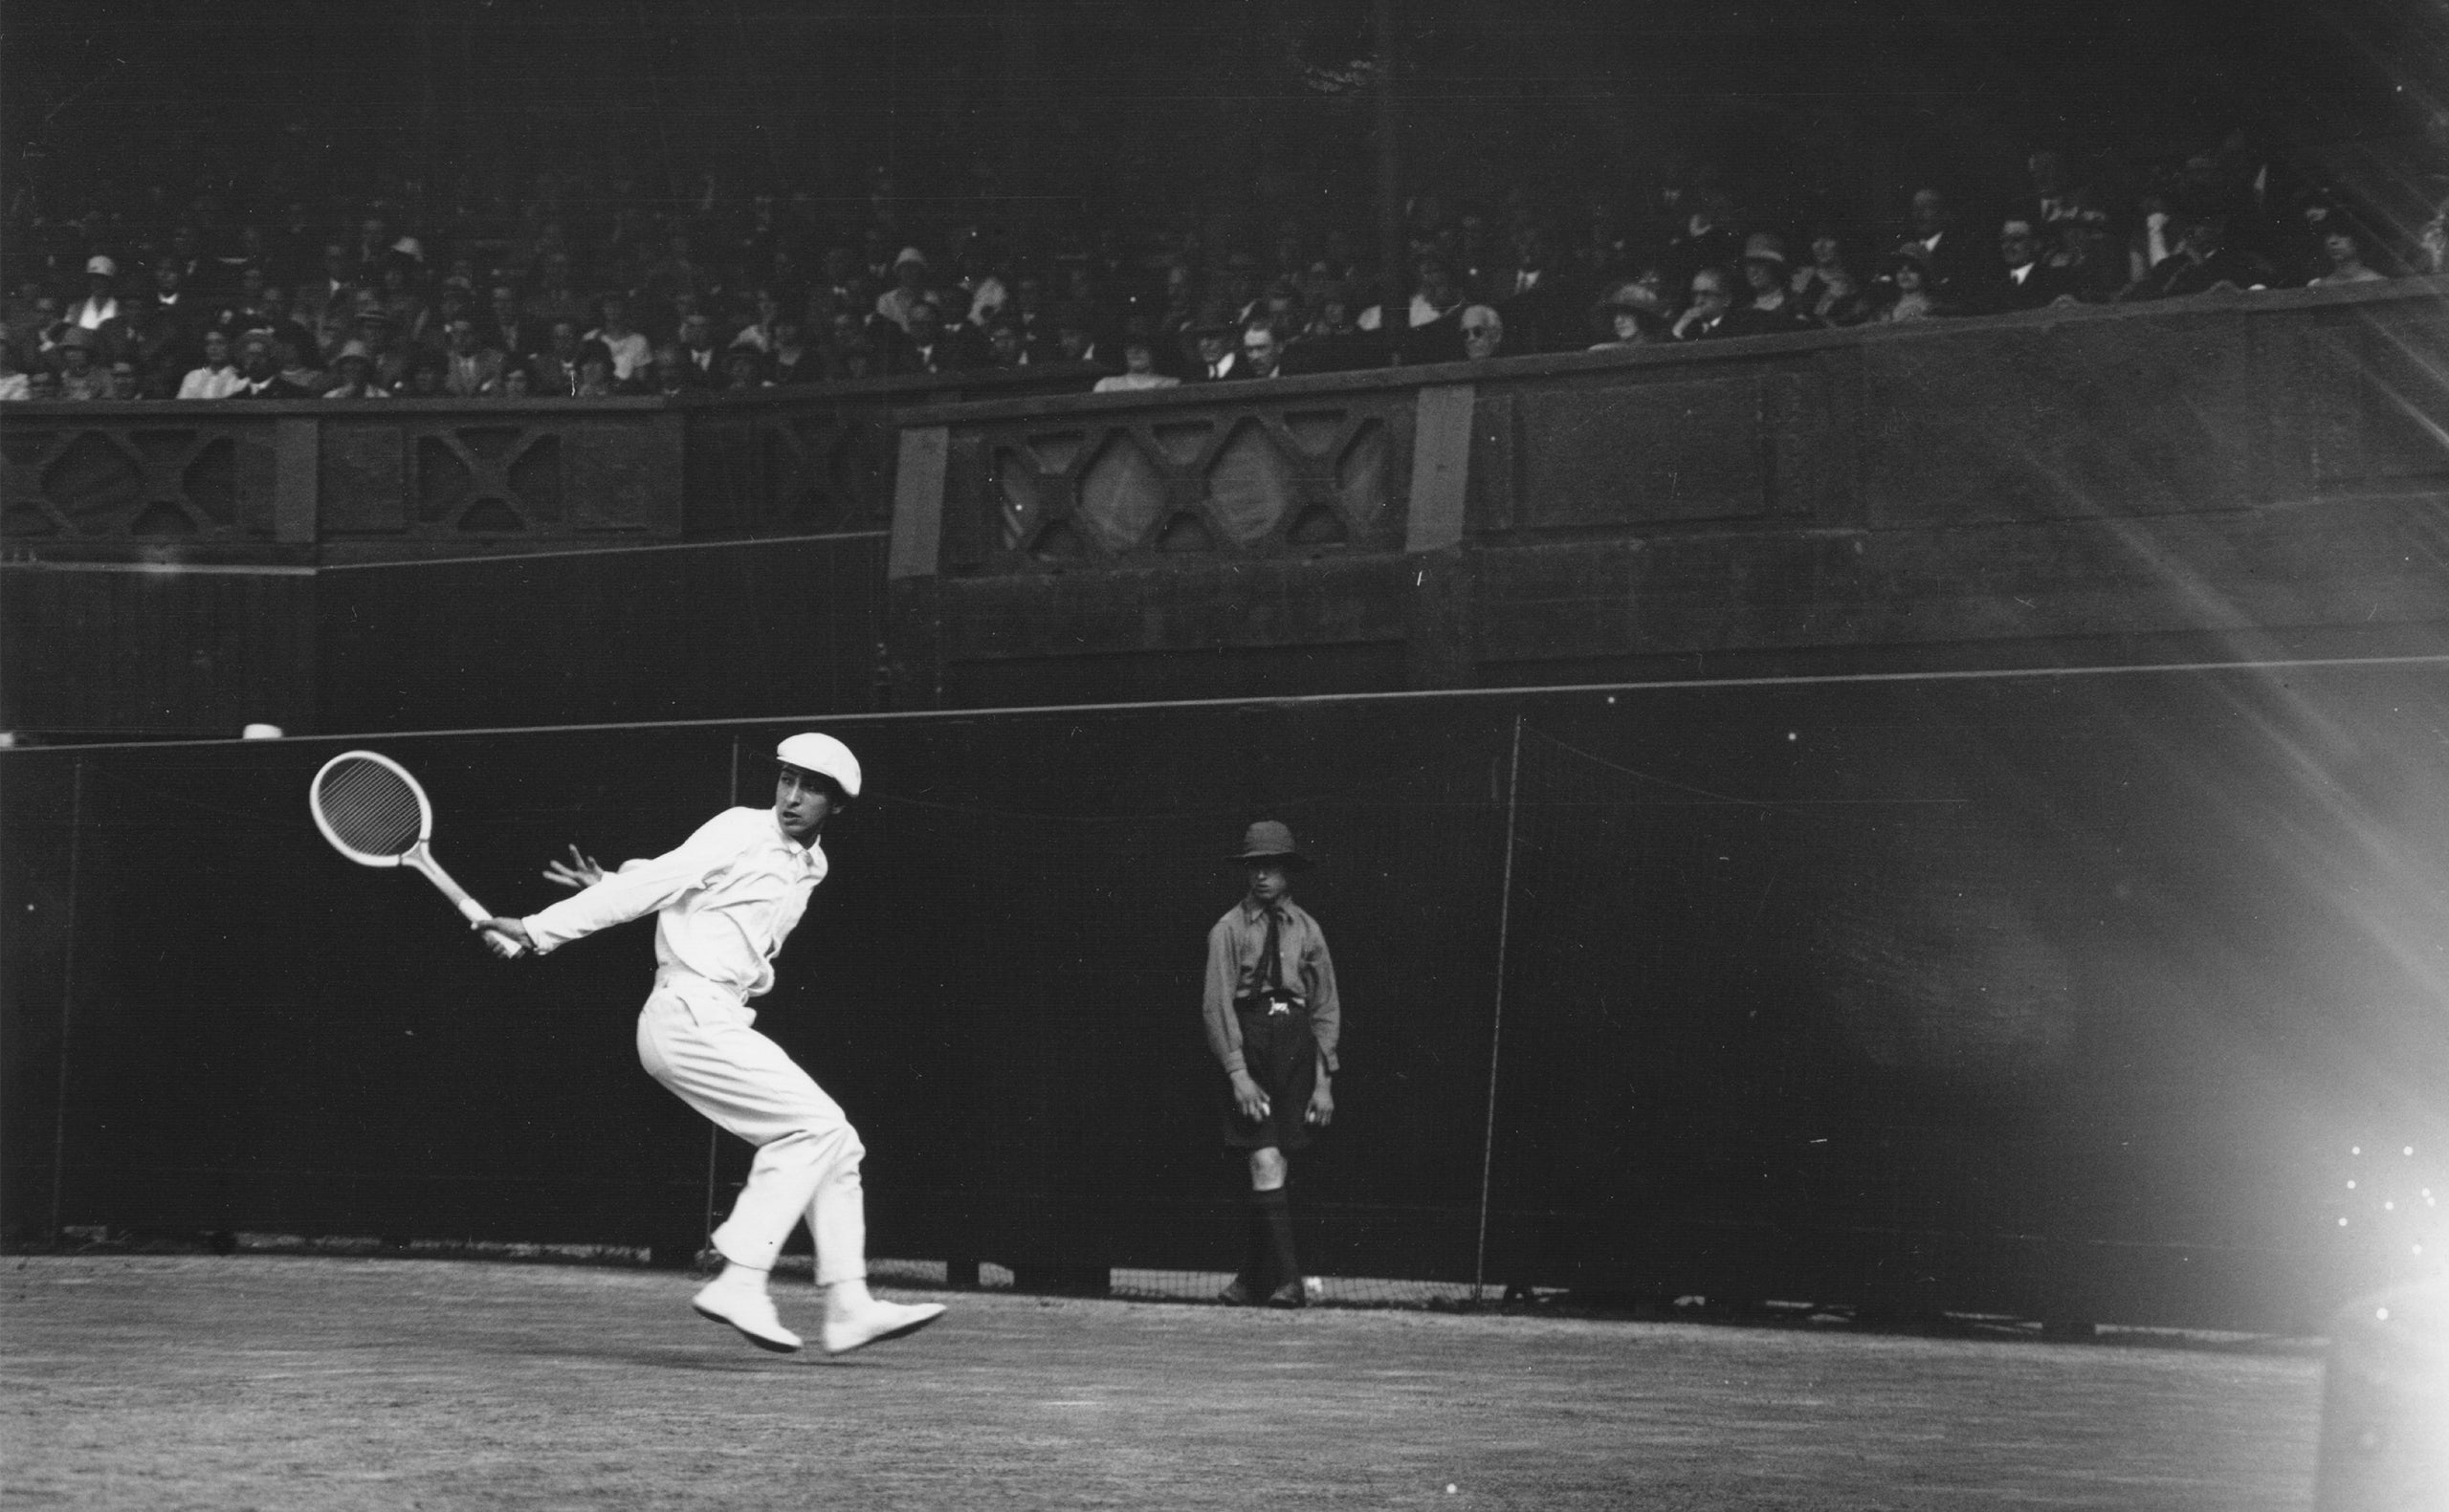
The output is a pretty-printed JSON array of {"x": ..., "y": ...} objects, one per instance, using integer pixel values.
[
  {"x": 470, "y": 909},
  {"x": 501, "y": 945}
]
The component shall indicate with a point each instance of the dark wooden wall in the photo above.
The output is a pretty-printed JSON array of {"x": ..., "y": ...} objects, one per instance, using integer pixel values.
[
  {"x": 121, "y": 652},
  {"x": 683, "y": 632}
]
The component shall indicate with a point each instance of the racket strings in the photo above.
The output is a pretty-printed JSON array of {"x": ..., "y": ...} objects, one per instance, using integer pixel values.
[{"x": 369, "y": 809}]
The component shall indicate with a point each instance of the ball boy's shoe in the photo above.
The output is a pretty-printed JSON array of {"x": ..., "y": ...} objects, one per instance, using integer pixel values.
[
  {"x": 872, "y": 1322},
  {"x": 1291, "y": 1294},
  {"x": 747, "y": 1309},
  {"x": 1238, "y": 1293}
]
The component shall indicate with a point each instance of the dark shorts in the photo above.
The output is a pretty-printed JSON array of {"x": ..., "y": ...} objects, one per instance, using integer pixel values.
[{"x": 1281, "y": 1053}]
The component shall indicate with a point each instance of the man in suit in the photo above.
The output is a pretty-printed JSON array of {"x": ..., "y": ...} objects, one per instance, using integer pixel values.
[
  {"x": 1219, "y": 358},
  {"x": 929, "y": 348},
  {"x": 476, "y": 368},
  {"x": 1530, "y": 294},
  {"x": 170, "y": 325},
  {"x": 2027, "y": 280},
  {"x": 1961, "y": 271},
  {"x": 2202, "y": 261},
  {"x": 513, "y": 331}
]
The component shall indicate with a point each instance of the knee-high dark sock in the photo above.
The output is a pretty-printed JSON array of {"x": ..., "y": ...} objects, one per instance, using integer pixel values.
[
  {"x": 1276, "y": 1207},
  {"x": 1258, "y": 1245}
]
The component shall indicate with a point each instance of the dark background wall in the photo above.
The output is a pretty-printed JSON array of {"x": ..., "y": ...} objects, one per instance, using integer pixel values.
[
  {"x": 682, "y": 632},
  {"x": 1247, "y": 111},
  {"x": 115, "y": 651},
  {"x": 2060, "y": 995}
]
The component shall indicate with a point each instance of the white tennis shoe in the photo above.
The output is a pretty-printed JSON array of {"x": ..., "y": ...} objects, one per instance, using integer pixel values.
[
  {"x": 855, "y": 1319},
  {"x": 746, "y": 1306}
]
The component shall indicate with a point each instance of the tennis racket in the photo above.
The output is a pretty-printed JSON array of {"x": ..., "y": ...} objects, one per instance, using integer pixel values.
[{"x": 376, "y": 815}]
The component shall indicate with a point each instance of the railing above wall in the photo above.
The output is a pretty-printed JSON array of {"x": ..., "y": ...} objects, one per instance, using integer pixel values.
[
  {"x": 305, "y": 481},
  {"x": 2081, "y": 472}
]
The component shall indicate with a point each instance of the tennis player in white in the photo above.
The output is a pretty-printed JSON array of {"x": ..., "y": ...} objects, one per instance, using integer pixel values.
[{"x": 724, "y": 901}]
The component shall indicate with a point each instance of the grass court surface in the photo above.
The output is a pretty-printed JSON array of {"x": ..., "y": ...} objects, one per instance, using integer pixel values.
[{"x": 167, "y": 1381}]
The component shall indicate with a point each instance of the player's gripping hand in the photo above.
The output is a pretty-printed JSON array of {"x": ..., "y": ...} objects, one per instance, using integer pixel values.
[
  {"x": 579, "y": 871},
  {"x": 1322, "y": 1104},
  {"x": 504, "y": 938},
  {"x": 1247, "y": 1097}
]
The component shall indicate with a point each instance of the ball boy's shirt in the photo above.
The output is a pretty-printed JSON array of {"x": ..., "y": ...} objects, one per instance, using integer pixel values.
[
  {"x": 1237, "y": 968},
  {"x": 725, "y": 900}
]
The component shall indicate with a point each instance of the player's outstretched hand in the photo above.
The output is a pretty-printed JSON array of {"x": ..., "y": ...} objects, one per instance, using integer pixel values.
[
  {"x": 579, "y": 871},
  {"x": 504, "y": 938}
]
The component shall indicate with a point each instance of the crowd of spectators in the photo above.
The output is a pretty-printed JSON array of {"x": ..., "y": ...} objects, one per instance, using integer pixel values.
[{"x": 595, "y": 295}]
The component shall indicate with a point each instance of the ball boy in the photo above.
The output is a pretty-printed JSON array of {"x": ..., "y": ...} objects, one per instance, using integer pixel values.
[{"x": 1273, "y": 1021}]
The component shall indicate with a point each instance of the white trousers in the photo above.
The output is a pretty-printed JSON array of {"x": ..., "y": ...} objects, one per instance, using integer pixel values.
[{"x": 695, "y": 1039}]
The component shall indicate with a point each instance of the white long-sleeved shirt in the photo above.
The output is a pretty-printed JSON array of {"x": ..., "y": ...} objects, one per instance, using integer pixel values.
[
  {"x": 211, "y": 382},
  {"x": 724, "y": 900}
]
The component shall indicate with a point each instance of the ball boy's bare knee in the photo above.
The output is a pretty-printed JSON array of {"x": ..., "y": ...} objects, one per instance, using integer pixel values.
[{"x": 1268, "y": 1169}]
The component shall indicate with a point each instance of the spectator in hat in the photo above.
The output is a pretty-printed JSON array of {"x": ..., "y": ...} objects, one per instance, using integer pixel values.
[
  {"x": 380, "y": 335},
  {"x": 1769, "y": 304},
  {"x": 908, "y": 289},
  {"x": 793, "y": 360},
  {"x": 1274, "y": 1018},
  {"x": 1827, "y": 290},
  {"x": 1907, "y": 286},
  {"x": 216, "y": 377},
  {"x": 407, "y": 308},
  {"x": 1217, "y": 355},
  {"x": 353, "y": 370},
  {"x": 1629, "y": 317},
  {"x": 80, "y": 376},
  {"x": 101, "y": 311}
]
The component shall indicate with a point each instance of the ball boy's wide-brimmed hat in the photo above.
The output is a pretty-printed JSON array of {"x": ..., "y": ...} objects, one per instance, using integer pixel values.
[{"x": 1270, "y": 841}]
